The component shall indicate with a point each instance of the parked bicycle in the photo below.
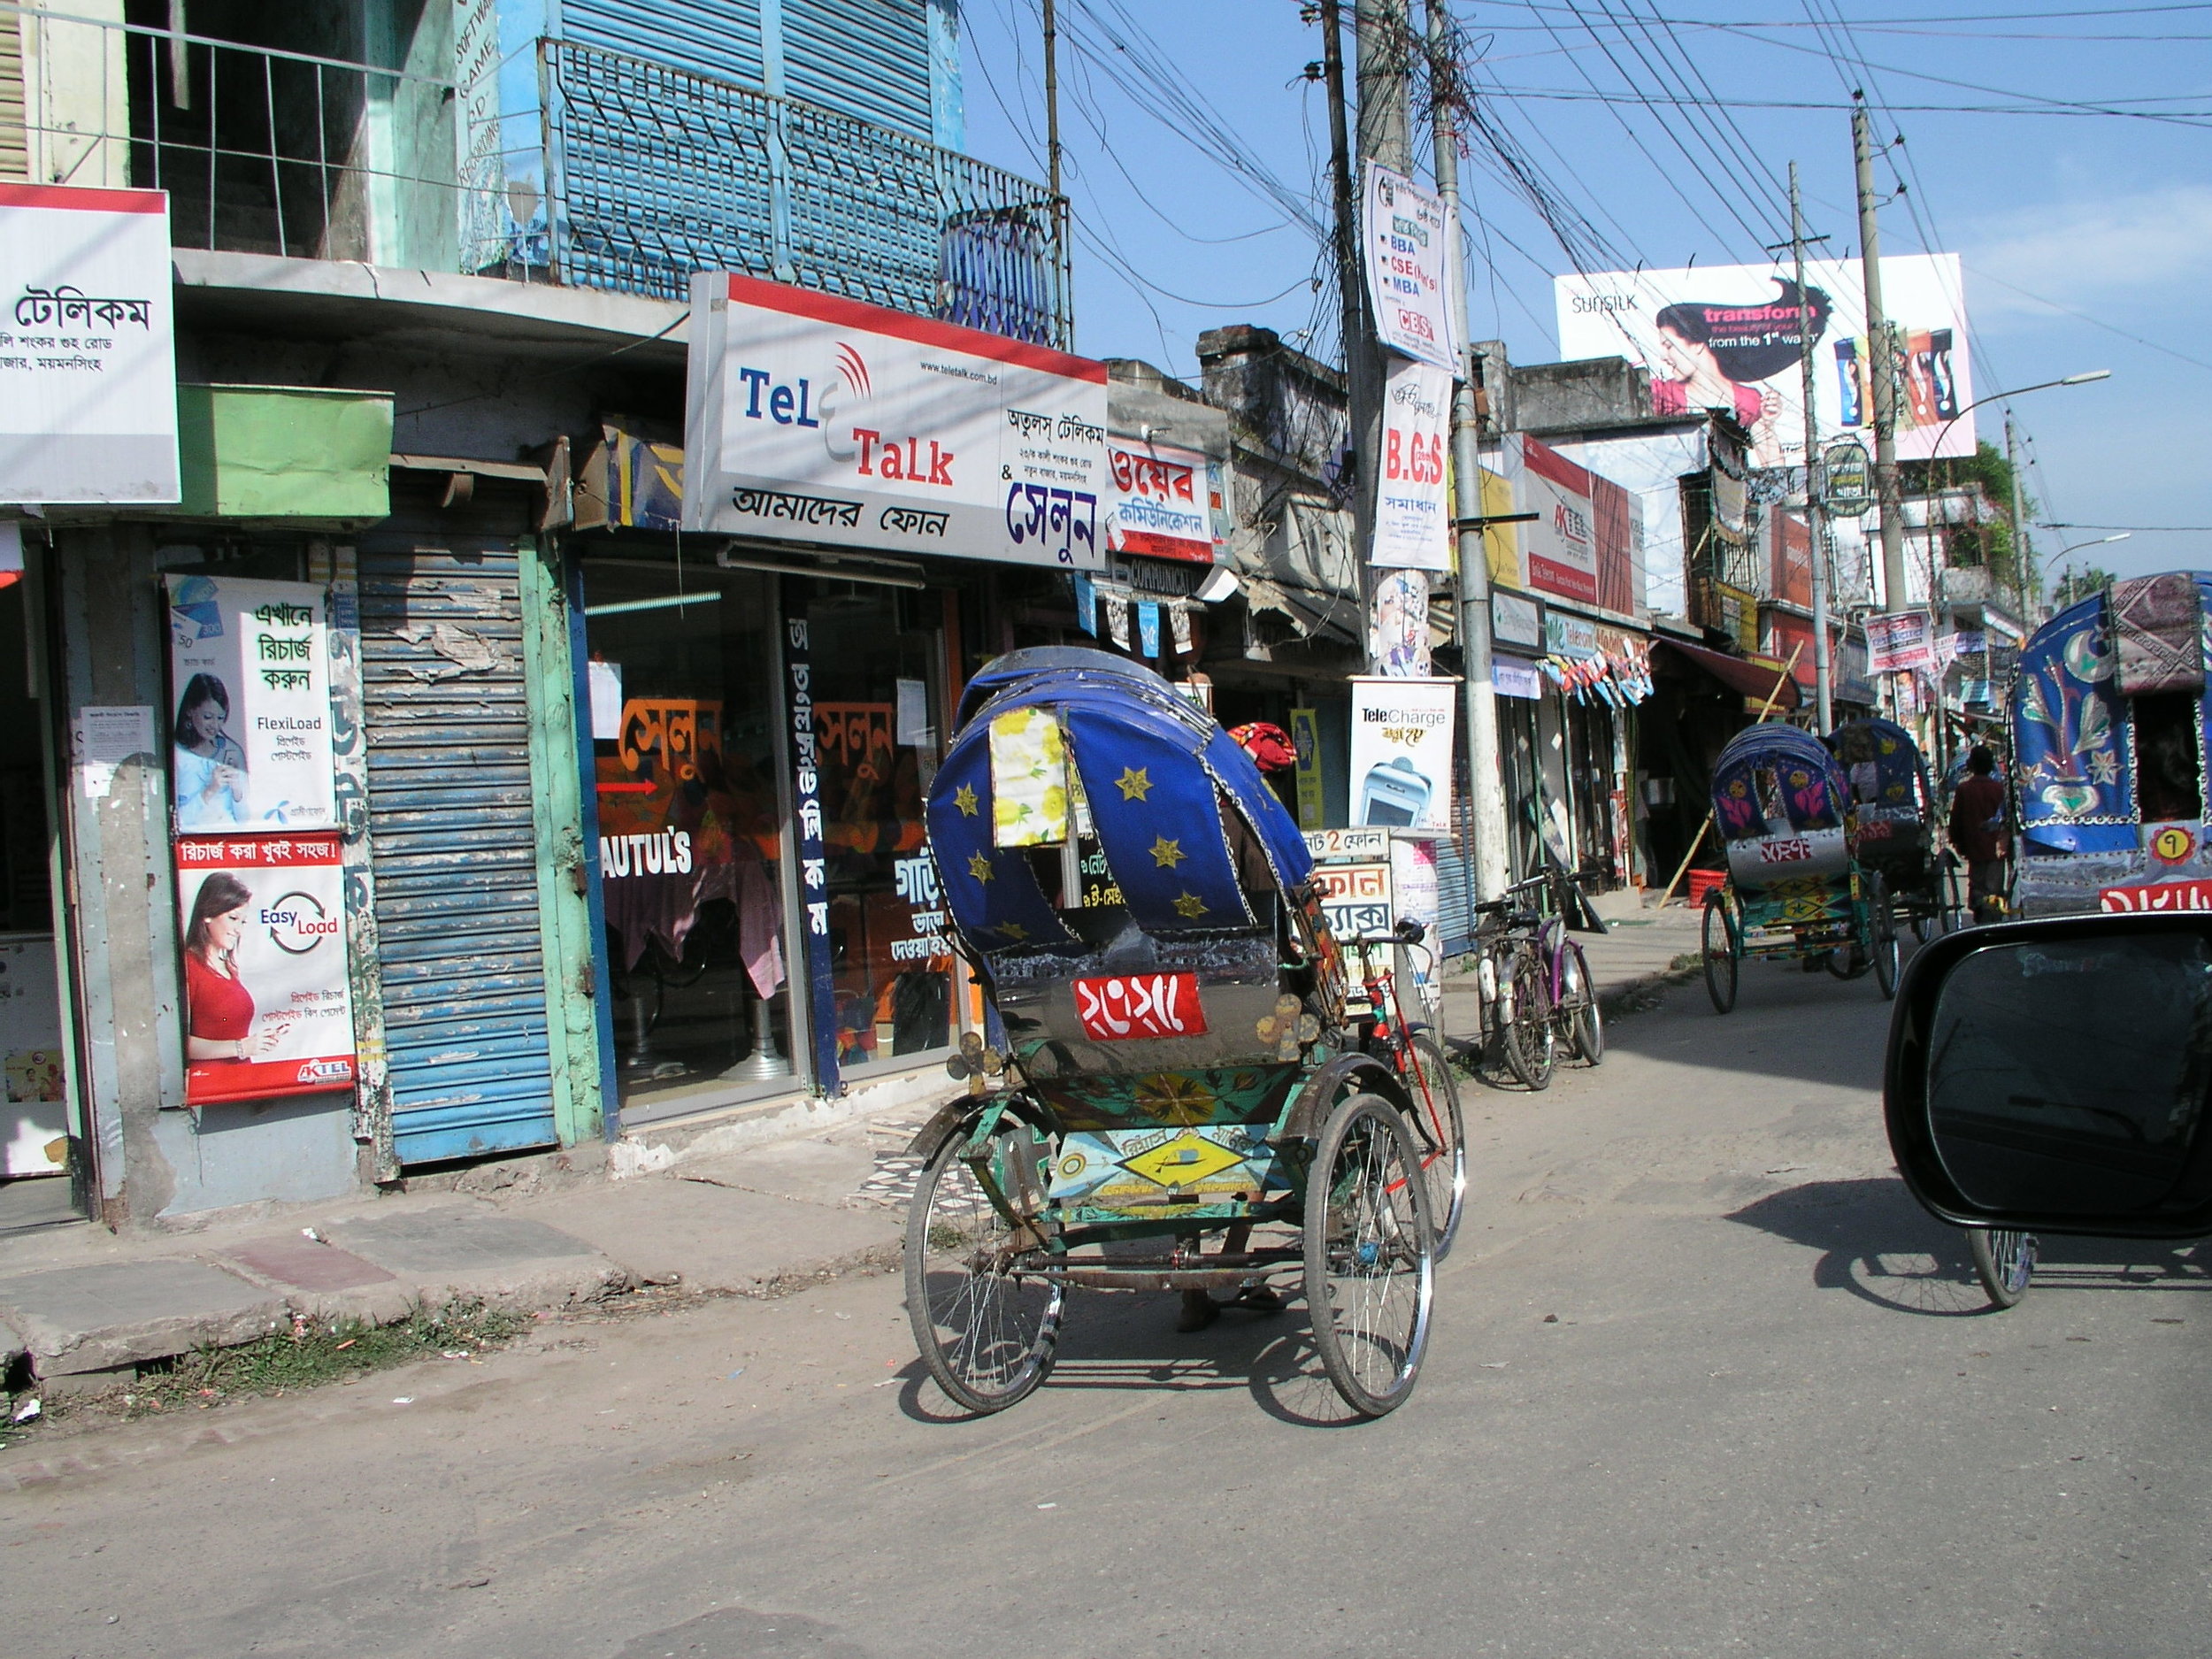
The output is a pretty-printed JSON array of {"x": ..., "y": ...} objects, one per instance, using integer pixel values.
[
  {"x": 1537, "y": 995},
  {"x": 1413, "y": 1050}
]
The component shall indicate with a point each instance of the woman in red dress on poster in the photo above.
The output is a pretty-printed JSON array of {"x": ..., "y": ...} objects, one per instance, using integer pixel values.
[{"x": 220, "y": 1020}]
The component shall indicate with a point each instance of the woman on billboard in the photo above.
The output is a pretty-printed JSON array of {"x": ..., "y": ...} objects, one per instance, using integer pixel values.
[
  {"x": 220, "y": 1012},
  {"x": 210, "y": 768},
  {"x": 1715, "y": 351}
]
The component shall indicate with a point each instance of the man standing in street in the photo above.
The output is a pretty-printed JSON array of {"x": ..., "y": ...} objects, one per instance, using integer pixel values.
[{"x": 1979, "y": 834}]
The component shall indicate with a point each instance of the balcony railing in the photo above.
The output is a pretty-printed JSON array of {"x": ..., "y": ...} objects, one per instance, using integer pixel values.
[{"x": 625, "y": 174}]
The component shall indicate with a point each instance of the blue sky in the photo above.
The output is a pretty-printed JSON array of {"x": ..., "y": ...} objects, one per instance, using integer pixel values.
[{"x": 2106, "y": 216}]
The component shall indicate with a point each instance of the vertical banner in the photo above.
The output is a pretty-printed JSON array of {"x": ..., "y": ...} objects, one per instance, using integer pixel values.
[
  {"x": 1402, "y": 753},
  {"x": 1401, "y": 628},
  {"x": 806, "y": 800},
  {"x": 268, "y": 1008},
  {"x": 1898, "y": 641},
  {"x": 1412, "y": 512},
  {"x": 1407, "y": 233},
  {"x": 250, "y": 743},
  {"x": 1305, "y": 738}
]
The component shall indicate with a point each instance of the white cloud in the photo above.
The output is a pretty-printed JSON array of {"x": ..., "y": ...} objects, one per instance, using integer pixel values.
[{"x": 2082, "y": 252}]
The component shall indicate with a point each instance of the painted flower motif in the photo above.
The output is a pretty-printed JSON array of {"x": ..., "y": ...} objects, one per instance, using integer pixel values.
[
  {"x": 1169, "y": 1097},
  {"x": 2104, "y": 767}
]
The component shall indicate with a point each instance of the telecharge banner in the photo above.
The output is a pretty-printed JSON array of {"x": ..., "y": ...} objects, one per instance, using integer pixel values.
[
  {"x": 249, "y": 724},
  {"x": 815, "y": 419},
  {"x": 1402, "y": 753},
  {"x": 1727, "y": 337},
  {"x": 267, "y": 1007}
]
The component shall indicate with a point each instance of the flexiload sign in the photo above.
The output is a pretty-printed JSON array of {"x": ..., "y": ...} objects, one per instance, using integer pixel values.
[{"x": 819, "y": 419}]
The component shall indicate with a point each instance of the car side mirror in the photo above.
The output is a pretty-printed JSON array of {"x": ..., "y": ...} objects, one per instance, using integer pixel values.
[{"x": 2053, "y": 1076}]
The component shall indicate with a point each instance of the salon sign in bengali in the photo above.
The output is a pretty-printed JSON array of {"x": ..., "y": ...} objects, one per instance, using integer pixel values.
[
  {"x": 249, "y": 706},
  {"x": 819, "y": 419},
  {"x": 87, "y": 355}
]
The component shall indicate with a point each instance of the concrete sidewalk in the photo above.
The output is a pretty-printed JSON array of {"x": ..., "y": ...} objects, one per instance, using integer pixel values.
[{"x": 82, "y": 1309}]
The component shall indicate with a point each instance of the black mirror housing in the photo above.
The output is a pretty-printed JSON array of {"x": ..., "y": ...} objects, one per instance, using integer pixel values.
[{"x": 2056, "y": 1076}]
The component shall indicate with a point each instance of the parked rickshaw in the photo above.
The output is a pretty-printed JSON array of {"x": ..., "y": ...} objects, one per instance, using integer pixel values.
[
  {"x": 1796, "y": 890},
  {"x": 2109, "y": 717},
  {"x": 1899, "y": 822},
  {"x": 1168, "y": 1066}
]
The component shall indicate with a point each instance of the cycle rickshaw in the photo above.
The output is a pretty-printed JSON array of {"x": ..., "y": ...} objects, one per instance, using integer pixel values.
[
  {"x": 1170, "y": 1065},
  {"x": 1898, "y": 819},
  {"x": 1796, "y": 890}
]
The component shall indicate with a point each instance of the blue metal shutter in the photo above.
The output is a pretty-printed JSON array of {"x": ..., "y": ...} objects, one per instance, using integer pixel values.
[
  {"x": 864, "y": 57},
  {"x": 707, "y": 37},
  {"x": 454, "y": 846}
]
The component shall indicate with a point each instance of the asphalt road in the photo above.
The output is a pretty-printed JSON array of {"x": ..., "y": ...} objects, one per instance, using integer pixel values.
[{"x": 1704, "y": 1382}]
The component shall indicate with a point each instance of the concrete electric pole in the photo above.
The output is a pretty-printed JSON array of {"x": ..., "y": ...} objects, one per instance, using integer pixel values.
[
  {"x": 1815, "y": 517},
  {"x": 1881, "y": 370}
]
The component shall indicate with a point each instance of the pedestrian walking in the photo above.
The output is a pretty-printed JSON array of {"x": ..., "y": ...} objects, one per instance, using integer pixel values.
[{"x": 1979, "y": 832}]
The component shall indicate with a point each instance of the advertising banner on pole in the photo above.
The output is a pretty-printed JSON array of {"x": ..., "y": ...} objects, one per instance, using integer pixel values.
[
  {"x": 1406, "y": 232},
  {"x": 88, "y": 346},
  {"x": 815, "y": 419},
  {"x": 267, "y": 1007},
  {"x": 1399, "y": 636},
  {"x": 1402, "y": 753},
  {"x": 1898, "y": 642},
  {"x": 1157, "y": 504},
  {"x": 250, "y": 688},
  {"x": 1412, "y": 515},
  {"x": 1726, "y": 337}
]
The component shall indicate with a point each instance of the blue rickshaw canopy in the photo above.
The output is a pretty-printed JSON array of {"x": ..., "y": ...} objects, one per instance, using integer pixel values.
[{"x": 1808, "y": 788}]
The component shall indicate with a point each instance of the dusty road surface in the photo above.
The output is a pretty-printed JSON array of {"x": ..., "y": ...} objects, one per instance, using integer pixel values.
[{"x": 1704, "y": 1382}]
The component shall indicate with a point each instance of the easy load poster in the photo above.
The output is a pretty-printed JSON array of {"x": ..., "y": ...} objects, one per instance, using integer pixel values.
[{"x": 268, "y": 1011}]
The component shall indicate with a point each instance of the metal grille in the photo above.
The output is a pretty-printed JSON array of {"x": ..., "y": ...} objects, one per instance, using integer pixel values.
[
  {"x": 456, "y": 876},
  {"x": 662, "y": 172}
]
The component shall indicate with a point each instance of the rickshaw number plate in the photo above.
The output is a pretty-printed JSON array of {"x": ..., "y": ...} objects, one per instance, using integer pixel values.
[
  {"x": 2158, "y": 896},
  {"x": 1792, "y": 850},
  {"x": 1121, "y": 1008}
]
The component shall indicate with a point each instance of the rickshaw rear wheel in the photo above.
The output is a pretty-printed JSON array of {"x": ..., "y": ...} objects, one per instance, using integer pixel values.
[
  {"x": 1884, "y": 930},
  {"x": 1720, "y": 939},
  {"x": 1440, "y": 1135},
  {"x": 2004, "y": 1261},
  {"x": 989, "y": 1335},
  {"x": 1371, "y": 1255}
]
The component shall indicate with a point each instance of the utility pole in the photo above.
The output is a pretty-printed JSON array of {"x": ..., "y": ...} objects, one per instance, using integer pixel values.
[
  {"x": 2022, "y": 555},
  {"x": 1486, "y": 779},
  {"x": 1381, "y": 58},
  {"x": 1052, "y": 97},
  {"x": 1881, "y": 368},
  {"x": 1815, "y": 517}
]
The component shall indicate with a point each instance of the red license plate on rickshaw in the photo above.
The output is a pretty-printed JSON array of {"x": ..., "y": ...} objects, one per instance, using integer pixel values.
[{"x": 1120, "y": 1007}]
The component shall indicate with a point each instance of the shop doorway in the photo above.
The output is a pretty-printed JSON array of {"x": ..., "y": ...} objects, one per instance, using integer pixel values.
[{"x": 40, "y": 1151}]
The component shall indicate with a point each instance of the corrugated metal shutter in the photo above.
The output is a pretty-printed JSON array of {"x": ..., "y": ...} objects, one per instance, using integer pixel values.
[
  {"x": 864, "y": 57},
  {"x": 15, "y": 156},
  {"x": 707, "y": 37},
  {"x": 455, "y": 851},
  {"x": 1455, "y": 898}
]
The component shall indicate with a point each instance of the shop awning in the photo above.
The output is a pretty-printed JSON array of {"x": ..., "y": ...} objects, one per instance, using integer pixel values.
[
  {"x": 1746, "y": 678},
  {"x": 1327, "y": 616}
]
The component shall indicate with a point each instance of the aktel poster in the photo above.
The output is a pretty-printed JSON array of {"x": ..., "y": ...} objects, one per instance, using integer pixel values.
[
  {"x": 250, "y": 706},
  {"x": 815, "y": 419},
  {"x": 268, "y": 1011}
]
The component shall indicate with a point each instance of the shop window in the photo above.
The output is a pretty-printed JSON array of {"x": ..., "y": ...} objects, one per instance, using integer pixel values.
[
  {"x": 879, "y": 671},
  {"x": 688, "y": 779}
]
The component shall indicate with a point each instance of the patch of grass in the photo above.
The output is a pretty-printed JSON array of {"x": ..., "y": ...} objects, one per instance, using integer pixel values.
[{"x": 311, "y": 1354}]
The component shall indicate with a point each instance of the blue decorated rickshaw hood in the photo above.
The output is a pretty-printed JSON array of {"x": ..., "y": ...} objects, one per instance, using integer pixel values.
[{"x": 1814, "y": 789}]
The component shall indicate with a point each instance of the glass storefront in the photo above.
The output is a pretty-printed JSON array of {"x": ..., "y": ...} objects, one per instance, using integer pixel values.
[
  {"x": 880, "y": 676},
  {"x": 692, "y": 801}
]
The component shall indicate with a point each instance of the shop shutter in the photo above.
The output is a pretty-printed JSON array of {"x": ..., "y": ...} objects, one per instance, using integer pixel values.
[
  {"x": 707, "y": 37},
  {"x": 454, "y": 846},
  {"x": 869, "y": 60},
  {"x": 1455, "y": 895},
  {"x": 15, "y": 155}
]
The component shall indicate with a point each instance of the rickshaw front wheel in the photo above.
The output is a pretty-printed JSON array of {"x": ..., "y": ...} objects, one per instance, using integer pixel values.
[
  {"x": 987, "y": 1333},
  {"x": 2004, "y": 1261},
  {"x": 1371, "y": 1255},
  {"x": 1884, "y": 930},
  {"x": 1719, "y": 937}
]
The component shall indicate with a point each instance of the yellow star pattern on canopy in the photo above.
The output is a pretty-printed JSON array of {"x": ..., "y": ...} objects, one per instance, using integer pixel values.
[
  {"x": 1191, "y": 905},
  {"x": 1134, "y": 783},
  {"x": 964, "y": 799},
  {"x": 1167, "y": 854},
  {"x": 1014, "y": 931},
  {"x": 980, "y": 867}
]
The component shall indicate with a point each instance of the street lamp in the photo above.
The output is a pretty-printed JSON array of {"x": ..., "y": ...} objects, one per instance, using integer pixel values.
[
  {"x": 2082, "y": 378},
  {"x": 2095, "y": 541}
]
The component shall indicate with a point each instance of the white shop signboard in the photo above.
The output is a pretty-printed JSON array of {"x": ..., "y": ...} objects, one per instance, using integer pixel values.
[
  {"x": 815, "y": 418},
  {"x": 87, "y": 355}
]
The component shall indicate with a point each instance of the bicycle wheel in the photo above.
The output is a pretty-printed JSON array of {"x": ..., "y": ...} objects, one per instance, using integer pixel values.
[
  {"x": 1371, "y": 1255},
  {"x": 2004, "y": 1261},
  {"x": 987, "y": 1334},
  {"x": 1439, "y": 1135},
  {"x": 1717, "y": 935},
  {"x": 1580, "y": 1020},
  {"x": 1885, "y": 944},
  {"x": 1529, "y": 1044}
]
